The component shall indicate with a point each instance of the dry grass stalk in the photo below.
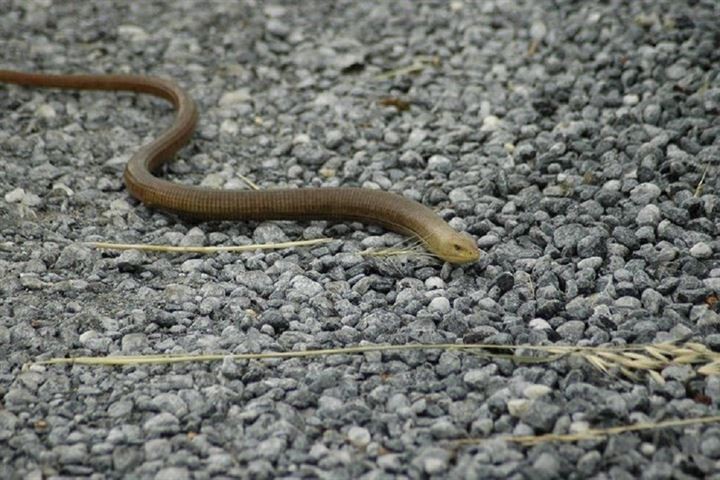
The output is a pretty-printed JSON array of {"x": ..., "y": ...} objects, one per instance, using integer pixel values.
[
  {"x": 418, "y": 65},
  {"x": 592, "y": 433},
  {"x": 248, "y": 182},
  {"x": 392, "y": 252},
  {"x": 215, "y": 249},
  {"x": 629, "y": 360},
  {"x": 410, "y": 246}
]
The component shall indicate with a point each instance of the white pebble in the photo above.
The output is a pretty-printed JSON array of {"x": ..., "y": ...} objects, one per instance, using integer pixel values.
[
  {"x": 440, "y": 305},
  {"x": 87, "y": 336},
  {"x": 701, "y": 250},
  {"x": 490, "y": 123},
  {"x": 579, "y": 426},
  {"x": 46, "y": 111},
  {"x": 132, "y": 33},
  {"x": 15, "y": 196},
  {"x": 631, "y": 99},
  {"x": 539, "y": 324},
  {"x": 229, "y": 127},
  {"x": 235, "y": 97},
  {"x": 536, "y": 391},
  {"x": 359, "y": 436},
  {"x": 518, "y": 406},
  {"x": 434, "y": 465},
  {"x": 434, "y": 283},
  {"x": 647, "y": 449}
]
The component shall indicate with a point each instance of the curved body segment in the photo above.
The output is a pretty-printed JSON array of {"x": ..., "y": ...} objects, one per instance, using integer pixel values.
[{"x": 387, "y": 209}]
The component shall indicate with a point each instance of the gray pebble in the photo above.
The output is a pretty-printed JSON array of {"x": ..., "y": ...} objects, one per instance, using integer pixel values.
[
  {"x": 131, "y": 261},
  {"x": 711, "y": 283},
  {"x": 712, "y": 388},
  {"x": 194, "y": 237},
  {"x": 390, "y": 462},
  {"x": 173, "y": 473},
  {"x": 547, "y": 465},
  {"x": 157, "y": 448},
  {"x": 649, "y": 215},
  {"x": 134, "y": 343},
  {"x": 73, "y": 256},
  {"x": 589, "y": 463},
  {"x": 651, "y": 113},
  {"x": 645, "y": 193},
  {"x": 277, "y": 28},
  {"x": 439, "y": 163},
  {"x": 169, "y": 402},
  {"x": 8, "y": 421},
  {"x": 707, "y": 318},
  {"x": 676, "y": 71},
  {"x": 592, "y": 263},
  {"x": 645, "y": 234},
  {"x": 333, "y": 138},
  {"x": 163, "y": 423},
  {"x": 305, "y": 286},
  {"x": 309, "y": 154},
  {"x": 272, "y": 448},
  {"x": 479, "y": 378},
  {"x": 178, "y": 293},
  {"x": 268, "y": 232},
  {"x": 569, "y": 235},
  {"x": 72, "y": 454},
  {"x": 681, "y": 373},
  {"x": 710, "y": 446},
  {"x": 444, "y": 429},
  {"x": 628, "y": 302},
  {"x": 432, "y": 460},
  {"x": 571, "y": 331},
  {"x": 487, "y": 241},
  {"x": 542, "y": 415},
  {"x": 120, "y": 408}
]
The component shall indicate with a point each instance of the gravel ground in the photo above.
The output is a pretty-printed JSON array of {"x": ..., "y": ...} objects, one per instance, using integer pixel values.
[{"x": 577, "y": 141}]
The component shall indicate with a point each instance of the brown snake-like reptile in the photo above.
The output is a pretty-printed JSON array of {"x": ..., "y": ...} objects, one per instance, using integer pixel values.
[{"x": 387, "y": 209}]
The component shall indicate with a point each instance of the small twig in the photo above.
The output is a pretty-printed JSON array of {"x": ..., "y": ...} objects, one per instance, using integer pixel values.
[
  {"x": 533, "y": 47},
  {"x": 418, "y": 65},
  {"x": 248, "y": 182},
  {"x": 699, "y": 188}
]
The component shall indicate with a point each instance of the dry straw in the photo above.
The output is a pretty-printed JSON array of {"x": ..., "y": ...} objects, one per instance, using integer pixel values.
[
  {"x": 592, "y": 433},
  {"x": 235, "y": 248},
  {"x": 630, "y": 361}
]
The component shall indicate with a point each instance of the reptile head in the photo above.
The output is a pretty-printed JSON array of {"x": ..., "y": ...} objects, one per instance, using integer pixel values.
[{"x": 456, "y": 247}]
